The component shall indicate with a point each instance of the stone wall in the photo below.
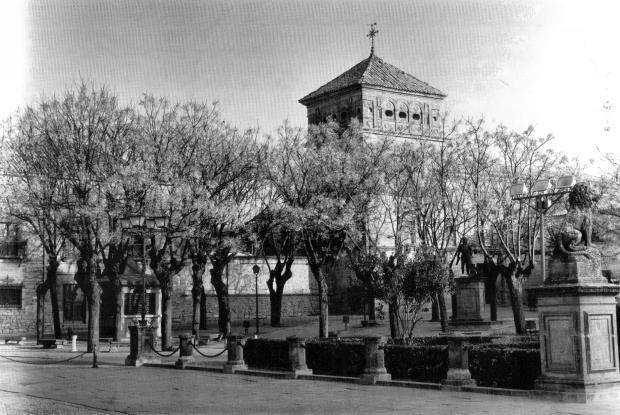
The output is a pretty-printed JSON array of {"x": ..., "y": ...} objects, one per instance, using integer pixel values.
[
  {"x": 242, "y": 307},
  {"x": 20, "y": 320}
]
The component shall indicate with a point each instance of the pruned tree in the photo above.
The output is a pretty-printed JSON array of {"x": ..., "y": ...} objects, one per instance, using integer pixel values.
[
  {"x": 226, "y": 196},
  {"x": 30, "y": 198},
  {"x": 497, "y": 159},
  {"x": 317, "y": 178},
  {"x": 73, "y": 141},
  {"x": 277, "y": 241}
]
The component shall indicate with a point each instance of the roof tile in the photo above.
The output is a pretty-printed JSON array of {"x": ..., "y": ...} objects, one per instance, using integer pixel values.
[{"x": 374, "y": 71}]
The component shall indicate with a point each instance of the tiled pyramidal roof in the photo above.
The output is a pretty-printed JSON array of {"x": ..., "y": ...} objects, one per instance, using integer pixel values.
[{"x": 374, "y": 71}]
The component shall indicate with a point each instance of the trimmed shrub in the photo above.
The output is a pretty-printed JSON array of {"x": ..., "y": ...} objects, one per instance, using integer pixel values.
[
  {"x": 418, "y": 363},
  {"x": 501, "y": 367},
  {"x": 267, "y": 354},
  {"x": 335, "y": 358}
]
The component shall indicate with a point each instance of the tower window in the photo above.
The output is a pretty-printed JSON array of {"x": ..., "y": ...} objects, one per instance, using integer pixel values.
[
  {"x": 402, "y": 115},
  {"x": 415, "y": 117},
  {"x": 389, "y": 113}
]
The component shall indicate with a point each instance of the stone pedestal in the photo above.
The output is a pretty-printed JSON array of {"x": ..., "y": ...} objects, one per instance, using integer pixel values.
[
  {"x": 297, "y": 356},
  {"x": 458, "y": 361},
  {"x": 577, "y": 329},
  {"x": 469, "y": 303},
  {"x": 140, "y": 340},
  {"x": 375, "y": 361},
  {"x": 186, "y": 351},
  {"x": 235, "y": 344}
]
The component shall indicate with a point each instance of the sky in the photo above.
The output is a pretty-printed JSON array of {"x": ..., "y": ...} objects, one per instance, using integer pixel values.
[{"x": 552, "y": 64}]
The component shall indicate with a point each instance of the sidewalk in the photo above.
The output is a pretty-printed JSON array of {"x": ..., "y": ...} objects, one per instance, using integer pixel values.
[{"x": 78, "y": 389}]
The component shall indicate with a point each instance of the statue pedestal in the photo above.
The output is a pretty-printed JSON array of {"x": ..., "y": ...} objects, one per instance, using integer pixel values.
[
  {"x": 578, "y": 339},
  {"x": 469, "y": 303}
]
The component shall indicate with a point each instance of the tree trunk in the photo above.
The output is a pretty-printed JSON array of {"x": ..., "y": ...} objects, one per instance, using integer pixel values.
[
  {"x": 434, "y": 310},
  {"x": 443, "y": 312},
  {"x": 393, "y": 311},
  {"x": 196, "y": 307},
  {"x": 493, "y": 297},
  {"x": 372, "y": 313},
  {"x": 41, "y": 292},
  {"x": 203, "y": 310},
  {"x": 198, "y": 269},
  {"x": 52, "y": 269},
  {"x": 323, "y": 305},
  {"x": 321, "y": 279},
  {"x": 166, "y": 313},
  {"x": 93, "y": 296},
  {"x": 221, "y": 290},
  {"x": 275, "y": 294},
  {"x": 516, "y": 299}
]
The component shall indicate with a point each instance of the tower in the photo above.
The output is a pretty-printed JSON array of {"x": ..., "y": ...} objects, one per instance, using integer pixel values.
[{"x": 385, "y": 99}]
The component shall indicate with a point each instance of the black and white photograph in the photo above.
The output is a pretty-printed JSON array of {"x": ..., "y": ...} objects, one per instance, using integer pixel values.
[{"x": 309, "y": 207}]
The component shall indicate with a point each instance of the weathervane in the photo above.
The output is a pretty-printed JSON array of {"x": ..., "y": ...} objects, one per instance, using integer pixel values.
[{"x": 372, "y": 34}]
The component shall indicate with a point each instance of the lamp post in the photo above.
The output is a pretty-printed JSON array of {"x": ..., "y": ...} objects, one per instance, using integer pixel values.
[
  {"x": 256, "y": 271},
  {"x": 542, "y": 192}
]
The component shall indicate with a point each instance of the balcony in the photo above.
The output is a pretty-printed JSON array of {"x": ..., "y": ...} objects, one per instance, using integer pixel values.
[{"x": 12, "y": 249}]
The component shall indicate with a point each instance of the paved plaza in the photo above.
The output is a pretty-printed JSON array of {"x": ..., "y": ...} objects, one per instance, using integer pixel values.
[{"x": 76, "y": 388}]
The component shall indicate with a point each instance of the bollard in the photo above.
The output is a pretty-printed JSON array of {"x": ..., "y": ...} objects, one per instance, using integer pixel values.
[
  {"x": 74, "y": 343},
  {"x": 297, "y": 356},
  {"x": 186, "y": 351},
  {"x": 234, "y": 345},
  {"x": 458, "y": 362},
  {"x": 375, "y": 361}
]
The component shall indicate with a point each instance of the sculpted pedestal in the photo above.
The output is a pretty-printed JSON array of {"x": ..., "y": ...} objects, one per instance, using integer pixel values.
[
  {"x": 469, "y": 302},
  {"x": 577, "y": 320}
]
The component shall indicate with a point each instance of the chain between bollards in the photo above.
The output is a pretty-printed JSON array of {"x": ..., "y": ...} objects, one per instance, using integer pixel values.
[
  {"x": 164, "y": 355},
  {"x": 206, "y": 355},
  {"x": 44, "y": 363}
]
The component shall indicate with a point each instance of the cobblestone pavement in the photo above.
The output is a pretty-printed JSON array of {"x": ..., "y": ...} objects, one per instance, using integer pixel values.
[{"x": 76, "y": 388}]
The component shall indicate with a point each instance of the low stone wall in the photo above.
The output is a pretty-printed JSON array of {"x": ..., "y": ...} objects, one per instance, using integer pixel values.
[{"x": 242, "y": 307}]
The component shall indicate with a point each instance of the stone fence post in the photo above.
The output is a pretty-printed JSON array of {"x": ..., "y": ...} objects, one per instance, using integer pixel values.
[
  {"x": 235, "y": 344},
  {"x": 297, "y": 356},
  {"x": 186, "y": 350},
  {"x": 458, "y": 362},
  {"x": 142, "y": 341},
  {"x": 375, "y": 361}
]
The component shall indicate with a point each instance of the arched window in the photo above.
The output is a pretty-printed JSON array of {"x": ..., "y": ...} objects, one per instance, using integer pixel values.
[
  {"x": 416, "y": 114},
  {"x": 389, "y": 111}
]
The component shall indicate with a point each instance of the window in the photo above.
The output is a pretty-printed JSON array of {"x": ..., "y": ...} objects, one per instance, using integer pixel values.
[
  {"x": 133, "y": 303},
  {"x": 11, "y": 296},
  {"x": 435, "y": 115},
  {"x": 415, "y": 117},
  {"x": 389, "y": 113},
  {"x": 402, "y": 115},
  {"x": 73, "y": 303}
]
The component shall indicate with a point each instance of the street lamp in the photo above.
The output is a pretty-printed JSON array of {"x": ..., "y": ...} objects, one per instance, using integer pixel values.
[
  {"x": 256, "y": 271},
  {"x": 542, "y": 191}
]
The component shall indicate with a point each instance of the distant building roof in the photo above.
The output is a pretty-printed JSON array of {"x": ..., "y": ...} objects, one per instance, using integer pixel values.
[{"x": 374, "y": 71}]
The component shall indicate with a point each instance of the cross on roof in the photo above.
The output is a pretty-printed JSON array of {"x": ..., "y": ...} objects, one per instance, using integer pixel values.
[{"x": 372, "y": 34}]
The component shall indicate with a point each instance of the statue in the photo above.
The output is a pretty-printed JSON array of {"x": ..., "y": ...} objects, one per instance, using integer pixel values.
[
  {"x": 575, "y": 235},
  {"x": 575, "y": 258},
  {"x": 465, "y": 253}
]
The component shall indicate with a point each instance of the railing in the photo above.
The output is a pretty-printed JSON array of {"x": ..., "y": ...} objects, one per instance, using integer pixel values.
[{"x": 12, "y": 249}]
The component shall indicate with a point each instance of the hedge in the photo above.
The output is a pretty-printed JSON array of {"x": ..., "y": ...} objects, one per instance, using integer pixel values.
[
  {"x": 418, "y": 363},
  {"x": 501, "y": 367},
  {"x": 335, "y": 358},
  {"x": 514, "y": 365},
  {"x": 267, "y": 354}
]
